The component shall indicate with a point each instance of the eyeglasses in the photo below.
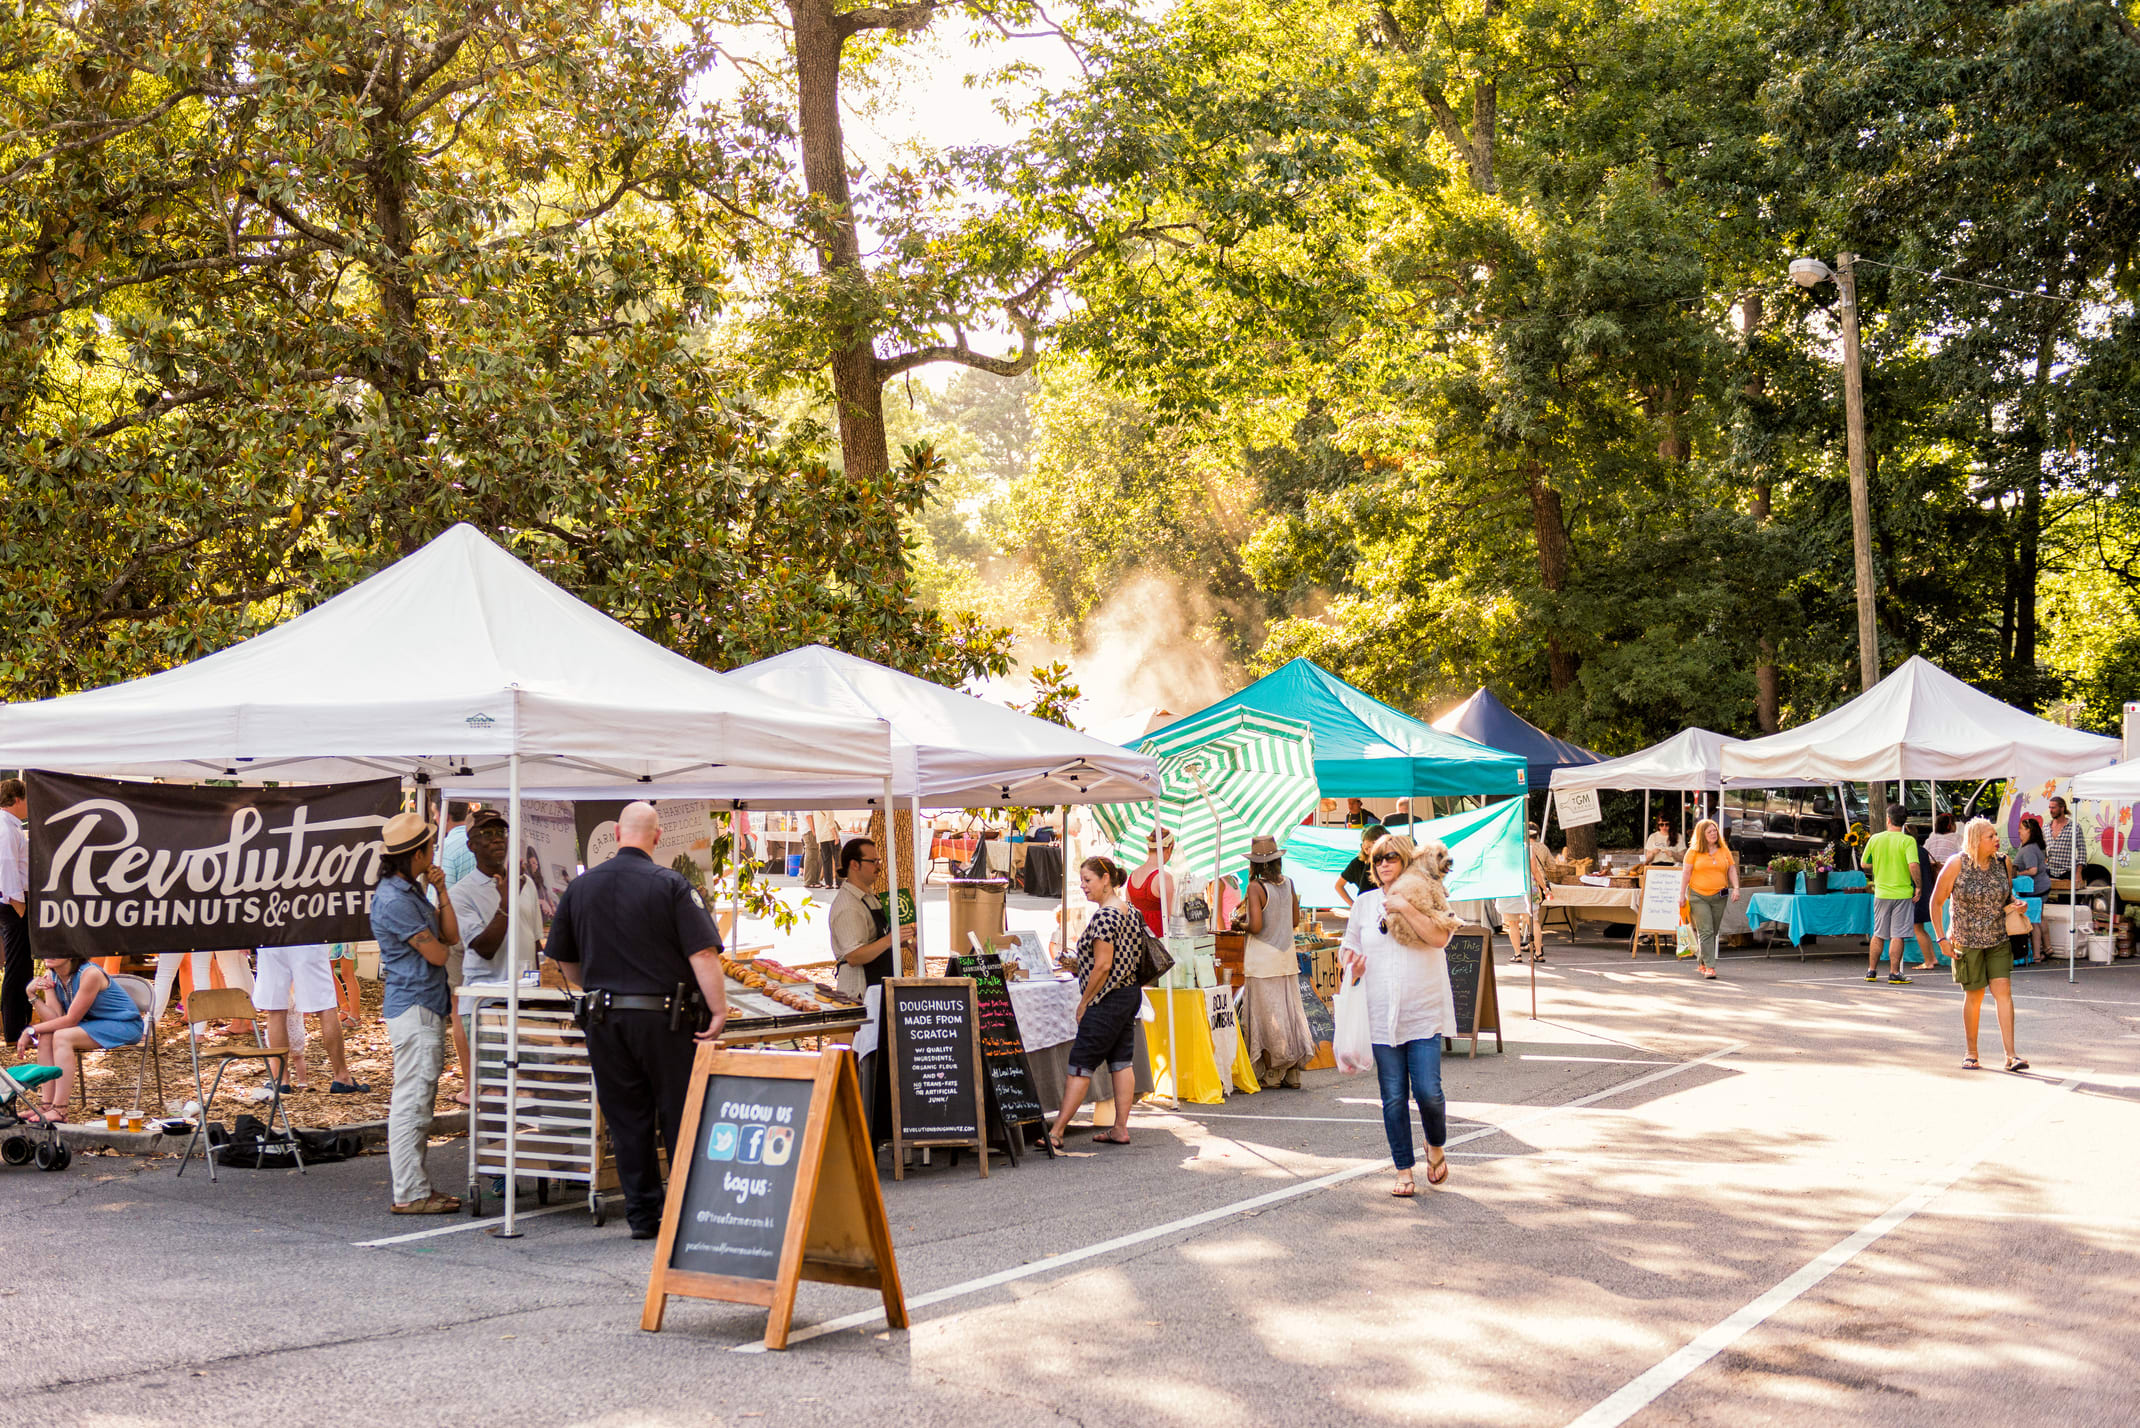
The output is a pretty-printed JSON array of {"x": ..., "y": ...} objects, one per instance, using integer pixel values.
[{"x": 1389, "y": 857}]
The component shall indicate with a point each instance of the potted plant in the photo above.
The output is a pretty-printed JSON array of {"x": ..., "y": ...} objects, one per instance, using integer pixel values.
[
  {"x": 1818, "y": 867},
  {"x": 1783, "y": 873}
]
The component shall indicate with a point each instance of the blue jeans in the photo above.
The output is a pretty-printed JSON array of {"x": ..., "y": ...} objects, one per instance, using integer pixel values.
[{"x": 1416, "y": 1067}]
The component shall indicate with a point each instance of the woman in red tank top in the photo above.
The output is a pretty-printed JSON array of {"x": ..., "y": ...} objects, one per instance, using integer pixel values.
[{"x": 1146, "y": 893}]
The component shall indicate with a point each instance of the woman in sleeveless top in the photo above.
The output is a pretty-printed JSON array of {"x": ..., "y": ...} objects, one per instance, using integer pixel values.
[
  {"x": 1976, "y": 882},
  {"x": 78, "y": 1009},
  {"x": 1280, "y": 1045},
  {"x": 1149, "y": 886}
]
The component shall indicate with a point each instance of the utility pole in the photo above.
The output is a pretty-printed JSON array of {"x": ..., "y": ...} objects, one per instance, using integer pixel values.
[{"x": 1860, "y": 496}]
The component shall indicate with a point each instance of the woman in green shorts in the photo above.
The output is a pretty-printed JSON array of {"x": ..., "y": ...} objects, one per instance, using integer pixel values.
[{"x": 1982, "y": 893}]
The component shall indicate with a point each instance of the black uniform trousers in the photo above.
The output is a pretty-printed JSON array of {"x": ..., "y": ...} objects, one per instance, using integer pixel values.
[
  {"x": 642, "y": 1077},
  {"x": 15, "y": 975}
]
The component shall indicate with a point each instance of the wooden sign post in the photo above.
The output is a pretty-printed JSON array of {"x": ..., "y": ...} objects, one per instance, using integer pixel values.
[
  {"x": 1013, "y": 1103},
  {"x": 1657, "y": 913},
  {"x": 1472, "y": 986},
  {"x": 932, "y": 1052},
  {"x": 780, "y": 1186}
]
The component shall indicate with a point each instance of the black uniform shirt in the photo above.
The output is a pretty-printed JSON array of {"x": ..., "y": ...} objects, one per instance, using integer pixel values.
[{"x": 632, "y": 926}]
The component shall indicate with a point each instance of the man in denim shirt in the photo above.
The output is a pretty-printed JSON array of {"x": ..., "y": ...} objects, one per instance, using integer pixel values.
[{"x": 415, "y": 939}]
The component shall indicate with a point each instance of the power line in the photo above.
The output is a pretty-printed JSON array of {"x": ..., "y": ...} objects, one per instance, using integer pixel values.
[{"x": 1970, "y": 282}]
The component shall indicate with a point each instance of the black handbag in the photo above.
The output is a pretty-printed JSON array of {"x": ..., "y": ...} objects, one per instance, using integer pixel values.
[{"x": 1156, "y": 962}]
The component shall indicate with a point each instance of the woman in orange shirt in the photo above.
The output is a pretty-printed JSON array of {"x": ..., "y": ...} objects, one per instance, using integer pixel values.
[{"x": 1712, "y": 877}]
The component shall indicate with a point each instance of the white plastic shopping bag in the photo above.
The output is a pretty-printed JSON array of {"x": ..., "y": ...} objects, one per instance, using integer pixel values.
[{"x": 1351, "y": 1044}]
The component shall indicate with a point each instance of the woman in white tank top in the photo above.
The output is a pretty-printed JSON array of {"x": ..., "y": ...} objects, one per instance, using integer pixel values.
[{"x": 1280, "y": 1044}]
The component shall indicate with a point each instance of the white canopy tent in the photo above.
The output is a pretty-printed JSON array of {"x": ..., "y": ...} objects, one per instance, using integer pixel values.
[
  {"x": 1921, "y": 722},
  {"x": 950, "y": 750},
  {"x": 1689, "y": 761},
  {"x": 462, "y": 668}
]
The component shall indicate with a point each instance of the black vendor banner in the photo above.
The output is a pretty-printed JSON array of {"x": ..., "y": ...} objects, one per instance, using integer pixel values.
[{"x": 150, "y": 867}]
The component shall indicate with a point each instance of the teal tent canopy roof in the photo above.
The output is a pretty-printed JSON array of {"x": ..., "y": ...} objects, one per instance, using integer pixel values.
[{"x": 1364, "y": 748}]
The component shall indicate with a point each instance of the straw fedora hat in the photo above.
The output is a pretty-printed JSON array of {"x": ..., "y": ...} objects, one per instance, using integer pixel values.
[
  {"x": 1263, "y": 848},
  {"x": 405, "y": 832}
]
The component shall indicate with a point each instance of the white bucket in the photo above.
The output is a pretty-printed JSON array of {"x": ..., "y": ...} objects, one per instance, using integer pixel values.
[{"x": 2099, "y": 948}]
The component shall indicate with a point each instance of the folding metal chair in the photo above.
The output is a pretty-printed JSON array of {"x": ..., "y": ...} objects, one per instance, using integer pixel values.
[{"x": 230, "y": 1004}]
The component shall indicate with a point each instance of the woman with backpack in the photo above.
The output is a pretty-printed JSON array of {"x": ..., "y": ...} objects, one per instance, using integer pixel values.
[{"x": 1280, "y": 1045}]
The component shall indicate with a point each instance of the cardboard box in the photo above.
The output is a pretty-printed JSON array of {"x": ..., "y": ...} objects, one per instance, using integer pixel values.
[{"x": 976, "y": 907}]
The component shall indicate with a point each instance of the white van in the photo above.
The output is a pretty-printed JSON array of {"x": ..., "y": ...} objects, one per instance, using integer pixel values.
[{"x": 2106, "y": 832}]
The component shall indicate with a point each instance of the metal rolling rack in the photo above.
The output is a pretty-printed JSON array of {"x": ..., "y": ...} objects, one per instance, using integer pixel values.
[{"x": 560, "y": 1133}]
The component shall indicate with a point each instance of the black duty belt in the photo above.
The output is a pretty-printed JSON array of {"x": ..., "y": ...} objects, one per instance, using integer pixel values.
[
  {"x": 619, "y": 1002},
  {"x": 685, "y": 1008}
]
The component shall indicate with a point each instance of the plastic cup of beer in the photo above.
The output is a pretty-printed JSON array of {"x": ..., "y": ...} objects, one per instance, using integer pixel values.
[
  {"x": 113, "y": 1116},
  {"x": 136, "y": 1121}
]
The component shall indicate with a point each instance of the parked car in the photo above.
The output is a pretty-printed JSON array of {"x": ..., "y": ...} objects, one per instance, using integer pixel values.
[{"x": 1760, "y": 824}]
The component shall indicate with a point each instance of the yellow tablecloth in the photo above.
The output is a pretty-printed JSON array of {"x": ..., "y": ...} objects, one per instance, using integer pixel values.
[{"x": 1201, "y": 1082}]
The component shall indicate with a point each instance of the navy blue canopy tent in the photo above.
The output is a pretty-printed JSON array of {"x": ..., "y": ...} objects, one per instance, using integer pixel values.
[
  {"x": 1485, "y": 719},
  {"x": 1365, "y": 749}
]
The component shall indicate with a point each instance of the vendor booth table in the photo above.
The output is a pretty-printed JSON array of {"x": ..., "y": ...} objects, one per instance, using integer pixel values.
[{"x": 1571, "y": 901}]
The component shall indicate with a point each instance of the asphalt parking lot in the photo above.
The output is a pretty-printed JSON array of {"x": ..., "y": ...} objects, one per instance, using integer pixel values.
[{"x": 1775, "y": 1198}]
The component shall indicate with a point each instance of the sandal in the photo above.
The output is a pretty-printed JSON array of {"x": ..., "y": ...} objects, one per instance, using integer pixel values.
[
  {"x": 1969, "y": 1063},
  {"x": 1437, "y": 1170},
  {"x": 1106, "y": 1139},
  {"x": 1055, "y": 1143},
  {"x": 432, "y": 1204},
  {"x": 2015, "y": 1063},
  {"x": 1404, "y": 1190}
]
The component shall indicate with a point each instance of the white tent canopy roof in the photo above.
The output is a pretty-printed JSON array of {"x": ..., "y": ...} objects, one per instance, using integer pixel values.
[
  {"x": 1688, "y": 761},
  {"x": 949, "y": 749},
  {"x": 1920, "y": 723},
  {"x": 449, "y": 660},
  {"x": 2118, "y": 782}
]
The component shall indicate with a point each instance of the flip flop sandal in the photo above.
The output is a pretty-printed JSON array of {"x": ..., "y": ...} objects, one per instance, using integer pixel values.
[
  {"x": 1970, "y": 1063},
  {"x": 1405, "y": 1191},
  {"x": 1438, "y": 1171},
  {"x": 1107, "y": 1140},
  {"x": 2015, "y": 1063},
  {"x": 1056, "y": 1143}
]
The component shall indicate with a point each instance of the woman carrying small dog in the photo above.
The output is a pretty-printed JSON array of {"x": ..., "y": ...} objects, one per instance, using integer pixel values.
[{"x": 1396, "y": 949}]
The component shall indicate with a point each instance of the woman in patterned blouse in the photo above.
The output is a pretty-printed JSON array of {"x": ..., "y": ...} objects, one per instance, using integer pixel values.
[{"x": 1109, "y": 955}]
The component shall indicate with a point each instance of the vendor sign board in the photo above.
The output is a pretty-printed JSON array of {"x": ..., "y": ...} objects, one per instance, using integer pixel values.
[
  {"x": 1663, "y": 891},
  {"x": 1576, "y": 807},
  {"x": 1012, "y": 1102},
  {"x": 780, "y": 1186},
  {"x": 1472, "y": 986},
  {"x": 933, "y": 1053},
  {"x": 119, "y": 867}
]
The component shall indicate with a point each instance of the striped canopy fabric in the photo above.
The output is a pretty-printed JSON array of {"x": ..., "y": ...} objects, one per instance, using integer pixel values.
[{"x": 1225, "y": 778}]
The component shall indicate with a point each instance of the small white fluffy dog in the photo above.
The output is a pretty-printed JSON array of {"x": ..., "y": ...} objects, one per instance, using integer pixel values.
[{"x": 1416, "y": 906}]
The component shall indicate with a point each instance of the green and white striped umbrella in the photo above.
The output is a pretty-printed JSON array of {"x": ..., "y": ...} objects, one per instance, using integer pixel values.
[{"x": 1224, "y": 780}]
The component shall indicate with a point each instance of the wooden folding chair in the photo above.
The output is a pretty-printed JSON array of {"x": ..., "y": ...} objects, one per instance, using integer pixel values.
[{"x": 230, "y": 1004}]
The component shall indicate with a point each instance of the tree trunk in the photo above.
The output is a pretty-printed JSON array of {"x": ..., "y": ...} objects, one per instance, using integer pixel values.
[
  {"x": 909, "y": 874},
  {"x": 857, "y": 393},
  {"x": 1768, "y": 702},
  {"x": 1552, "y": 534}
]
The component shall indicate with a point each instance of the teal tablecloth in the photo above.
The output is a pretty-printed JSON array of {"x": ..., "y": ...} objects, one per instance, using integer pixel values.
[
  {"x": 1834, "y": 915},
  {"x": 1837, "y": 881}
]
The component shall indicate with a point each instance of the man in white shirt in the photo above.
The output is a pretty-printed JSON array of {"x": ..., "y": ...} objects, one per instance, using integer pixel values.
[
  {"x": 14, "y": 891},
  {"x": 479, "y": 906}
]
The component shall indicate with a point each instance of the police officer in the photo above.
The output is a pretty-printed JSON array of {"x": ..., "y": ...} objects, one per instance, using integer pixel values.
[{"x": 635, "y": 937}]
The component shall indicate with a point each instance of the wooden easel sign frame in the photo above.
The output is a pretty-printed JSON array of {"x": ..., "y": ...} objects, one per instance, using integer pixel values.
[
  {"x": 1651, "y": 914},
  {"x": 727, "y": 1203},
  {"x": 897, "y": 1044}
]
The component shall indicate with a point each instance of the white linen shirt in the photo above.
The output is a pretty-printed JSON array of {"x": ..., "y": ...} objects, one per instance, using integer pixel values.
[
  {"x": 1408, "y": 996},
  {"x": 475, "y": 903},
  {"x": 14, "y": 859}
]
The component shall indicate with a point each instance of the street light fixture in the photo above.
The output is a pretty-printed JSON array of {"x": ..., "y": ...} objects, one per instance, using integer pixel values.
[{"x": 1810, "y": 273}]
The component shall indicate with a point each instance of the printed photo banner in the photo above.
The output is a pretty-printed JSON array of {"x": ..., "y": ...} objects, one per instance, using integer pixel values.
[{"x": 147, "y": 867}]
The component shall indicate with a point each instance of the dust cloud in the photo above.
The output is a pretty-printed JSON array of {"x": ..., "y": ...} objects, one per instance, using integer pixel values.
[{"x": 1148, "y": 646}]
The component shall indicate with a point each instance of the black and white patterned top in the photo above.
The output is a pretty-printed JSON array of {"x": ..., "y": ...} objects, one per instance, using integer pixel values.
[{"x": 1124, "y": 930}]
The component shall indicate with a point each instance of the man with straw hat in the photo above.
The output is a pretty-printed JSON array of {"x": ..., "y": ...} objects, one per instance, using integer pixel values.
[
  {"x": 415, "y": 939},
  {"x": 1280, "y": 1044}
]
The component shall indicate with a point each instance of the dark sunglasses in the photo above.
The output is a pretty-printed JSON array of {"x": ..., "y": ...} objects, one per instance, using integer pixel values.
[{"x": 1389, "y": 857}]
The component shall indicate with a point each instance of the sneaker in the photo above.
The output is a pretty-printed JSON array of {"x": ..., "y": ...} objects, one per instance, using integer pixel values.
[
  {"x": 1873, "y": 975},
  {"x": 1896, "y": 979}
]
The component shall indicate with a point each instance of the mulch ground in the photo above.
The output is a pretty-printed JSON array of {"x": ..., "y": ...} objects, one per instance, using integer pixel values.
[{"x": 110, "y": 1077}]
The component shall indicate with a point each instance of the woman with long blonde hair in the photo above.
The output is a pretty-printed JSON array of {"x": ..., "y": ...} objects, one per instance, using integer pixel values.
[
  {"x": 1977, "y": 943},
  {"x": 1712, "y": 878}
]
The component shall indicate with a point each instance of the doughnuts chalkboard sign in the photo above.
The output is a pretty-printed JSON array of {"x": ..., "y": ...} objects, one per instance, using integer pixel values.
[{"x": 932, "y": 1041}]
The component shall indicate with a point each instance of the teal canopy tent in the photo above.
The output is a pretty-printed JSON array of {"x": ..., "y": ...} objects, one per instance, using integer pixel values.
[
  {"x": 1226, "y": 775},
  {"x": 1487, "y": 844},
  {"x": 1366, "y": 749}
]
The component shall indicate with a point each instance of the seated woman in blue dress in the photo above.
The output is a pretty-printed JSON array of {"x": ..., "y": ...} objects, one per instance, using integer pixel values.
[{"x": 78, "y": 1009}]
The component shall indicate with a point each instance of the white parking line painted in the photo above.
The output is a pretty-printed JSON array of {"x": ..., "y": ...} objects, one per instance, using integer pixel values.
[
  {"x": 1648, "y": 1387},
  {"x": 465, "y": 1225},
  {"x": 867, "y": 1317},
  {"x": 1946, "y": 989},
  {"x": 1602, "y": 1060}
]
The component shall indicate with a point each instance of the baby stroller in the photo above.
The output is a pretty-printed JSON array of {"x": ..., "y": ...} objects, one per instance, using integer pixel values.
[{"x": 22, "y": 1139}]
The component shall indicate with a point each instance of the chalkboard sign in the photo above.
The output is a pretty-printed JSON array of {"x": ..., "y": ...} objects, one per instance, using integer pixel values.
[
  {"x": 1663, "y": 890},
  {"x": 1010, "y": 1077},
  {"x": 931, "y": 1032},
  {"x": 780, "y": 1186},
  {"x": 1472, "y": 986}
]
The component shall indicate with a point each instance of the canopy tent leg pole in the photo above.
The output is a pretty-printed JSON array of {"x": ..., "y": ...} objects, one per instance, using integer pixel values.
[
  {"x": 891, "y": 873},
  {"x": 737, "y": 853},
  {"x": 1166, "y": 919},
  {"x": 1062, "y": 924},
  {"x": 507, "y": 1230},
  {"x": 1644, "y": 833},
  {"x": 2073, "y": 900}
]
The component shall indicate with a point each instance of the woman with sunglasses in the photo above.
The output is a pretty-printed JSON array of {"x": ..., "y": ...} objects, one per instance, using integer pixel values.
[{"x": 1409, "y": 1006}]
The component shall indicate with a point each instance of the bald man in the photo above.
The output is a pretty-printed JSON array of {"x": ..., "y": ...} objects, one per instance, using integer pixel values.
[{"x": 636, "y": 938}]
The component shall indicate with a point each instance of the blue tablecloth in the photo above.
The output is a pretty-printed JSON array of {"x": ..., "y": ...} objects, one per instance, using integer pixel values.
[
  {"x": 1837, "y": 881},
  {"x": 1834, "y": 915}
]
